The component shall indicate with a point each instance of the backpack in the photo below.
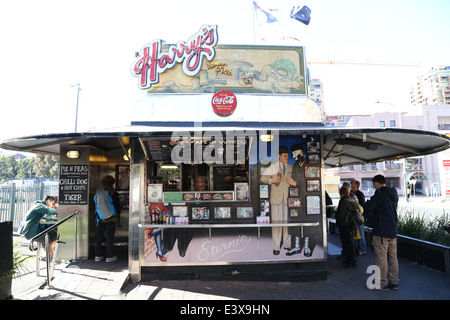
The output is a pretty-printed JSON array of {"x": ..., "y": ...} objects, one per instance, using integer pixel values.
[
  {"x": 104, "y": 204},
  {"x": 359, "y": 213}
]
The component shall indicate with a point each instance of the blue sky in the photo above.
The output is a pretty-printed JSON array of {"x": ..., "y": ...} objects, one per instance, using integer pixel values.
[{"x": 49, "y": 45}]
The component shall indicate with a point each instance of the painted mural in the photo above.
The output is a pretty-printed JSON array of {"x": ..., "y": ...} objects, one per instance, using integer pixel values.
[{"x": 241, "y": 69}]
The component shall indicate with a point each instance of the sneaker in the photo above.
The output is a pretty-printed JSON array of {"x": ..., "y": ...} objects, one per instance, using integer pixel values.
[
  {"x": 385, "y": 288},
  {"x": 112, "y": 259},
  {"x": 99, "y": 259},
  {"x": 393, "y": 286},
  {"x": 361, "y": 253}
]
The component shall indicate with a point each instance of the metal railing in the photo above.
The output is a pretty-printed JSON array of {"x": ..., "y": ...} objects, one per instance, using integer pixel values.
[
  {"x": 17, "y": 199},
  {"x": 51, "y": 265}
]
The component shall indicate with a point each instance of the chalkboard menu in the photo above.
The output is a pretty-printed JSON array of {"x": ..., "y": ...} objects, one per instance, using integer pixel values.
[
  {"x": 73, "y": 184},
  {"x": 223, "y": 178},
  {"x": 159, "y": 149}
]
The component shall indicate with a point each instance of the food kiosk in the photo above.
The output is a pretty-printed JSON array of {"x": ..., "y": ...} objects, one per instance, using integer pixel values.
[{"x": 221, "y": 169}]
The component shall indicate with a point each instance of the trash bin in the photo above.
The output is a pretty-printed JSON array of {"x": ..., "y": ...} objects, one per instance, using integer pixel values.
[{"x": 6, "y": 259}]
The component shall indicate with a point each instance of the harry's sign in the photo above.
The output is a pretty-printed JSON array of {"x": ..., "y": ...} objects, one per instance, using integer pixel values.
[{"x": 152, "y": 62}]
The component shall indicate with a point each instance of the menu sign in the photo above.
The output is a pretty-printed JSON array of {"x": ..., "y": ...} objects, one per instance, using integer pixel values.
[
  {"x": 223, "y": 177},
  {"x": 73, "y": 184}
]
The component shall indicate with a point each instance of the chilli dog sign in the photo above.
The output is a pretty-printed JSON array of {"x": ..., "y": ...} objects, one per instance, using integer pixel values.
[{"x": 152, "y": 62}]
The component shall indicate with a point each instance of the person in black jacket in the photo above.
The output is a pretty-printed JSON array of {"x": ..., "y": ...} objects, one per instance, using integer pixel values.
[
  {"x": 347, "y": 226},
  {"x": 384, "y": 204}
]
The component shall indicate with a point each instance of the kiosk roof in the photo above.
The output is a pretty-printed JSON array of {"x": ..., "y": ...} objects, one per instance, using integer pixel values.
[{"x": 341, "y": 145}]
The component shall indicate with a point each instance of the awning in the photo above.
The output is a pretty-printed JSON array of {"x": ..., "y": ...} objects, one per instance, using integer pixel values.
[{"x": 342, "y": 146}]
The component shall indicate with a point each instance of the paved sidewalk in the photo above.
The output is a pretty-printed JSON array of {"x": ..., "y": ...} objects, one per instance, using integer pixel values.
[{"x": 104, "y": 281}]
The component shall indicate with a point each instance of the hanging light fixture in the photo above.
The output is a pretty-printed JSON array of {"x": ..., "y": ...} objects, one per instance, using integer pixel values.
[
  {"x": 73, "y": 154},
  {"x": 127, "y": 156}
]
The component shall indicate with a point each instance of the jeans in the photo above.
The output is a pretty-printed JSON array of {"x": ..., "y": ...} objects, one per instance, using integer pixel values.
[
  {"x": 110, "y": 229},
  {"x": 386, "y": 251},
  {"x": 362, "y": 241}
]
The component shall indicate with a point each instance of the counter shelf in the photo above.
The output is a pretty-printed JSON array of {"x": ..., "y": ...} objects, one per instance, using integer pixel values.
[{"x": 229, "y": 225}]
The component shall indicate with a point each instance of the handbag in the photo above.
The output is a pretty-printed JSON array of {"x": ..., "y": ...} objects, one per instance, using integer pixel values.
[{"x": 358, "y": 218}]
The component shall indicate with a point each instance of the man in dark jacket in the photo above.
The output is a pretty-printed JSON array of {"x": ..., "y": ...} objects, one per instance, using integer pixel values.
[
  {"x": 384, "y": 204},
  {"x": 41, "y": 212}
]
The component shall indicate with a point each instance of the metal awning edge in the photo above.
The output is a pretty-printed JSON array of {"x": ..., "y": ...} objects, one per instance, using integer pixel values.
[{"x": 37, "y": 143}]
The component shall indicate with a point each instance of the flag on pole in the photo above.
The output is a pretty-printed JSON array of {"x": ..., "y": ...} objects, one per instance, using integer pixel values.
[
  {"x": 264, "y": 14},
  {"x": 303, "y": 15}
]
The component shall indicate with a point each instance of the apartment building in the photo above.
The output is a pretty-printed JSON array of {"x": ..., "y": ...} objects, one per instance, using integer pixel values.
[
  {"x": 419, "y": 173},
  {"x": 315, "y": 93},
  {"x": 432, "y": 88}
]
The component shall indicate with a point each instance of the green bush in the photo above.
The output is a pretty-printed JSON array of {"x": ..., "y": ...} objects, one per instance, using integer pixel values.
[{"x": 419, "y": 227}]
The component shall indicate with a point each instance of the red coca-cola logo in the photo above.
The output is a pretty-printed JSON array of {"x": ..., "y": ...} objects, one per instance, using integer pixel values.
[{"x": 224, "y": 103}]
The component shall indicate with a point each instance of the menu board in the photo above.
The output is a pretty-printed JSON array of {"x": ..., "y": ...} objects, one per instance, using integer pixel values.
[
  {"x": 73, "y": 184},
  {"x": 197, "y": 196},
  {"x": 159, "y": 149},
  {"x": 223, "y": 177}
]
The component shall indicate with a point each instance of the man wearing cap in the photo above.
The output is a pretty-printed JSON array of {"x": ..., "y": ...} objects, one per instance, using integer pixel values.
[{"x": 276, "y": 175}]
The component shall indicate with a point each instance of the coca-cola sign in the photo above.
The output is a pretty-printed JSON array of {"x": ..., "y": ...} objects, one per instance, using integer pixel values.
[
  {"x": 224, "y": 103},
  {"x": 151, "y": 62}
]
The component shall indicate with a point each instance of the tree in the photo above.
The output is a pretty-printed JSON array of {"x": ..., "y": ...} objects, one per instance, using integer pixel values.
[
  {"x": 46, "y": 166},
  {"x": 7, "y": 168},
  {"x": 24, "y": 168}
]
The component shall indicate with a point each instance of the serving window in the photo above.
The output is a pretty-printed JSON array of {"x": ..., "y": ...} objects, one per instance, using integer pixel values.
[{"x": 190, "y": 180}]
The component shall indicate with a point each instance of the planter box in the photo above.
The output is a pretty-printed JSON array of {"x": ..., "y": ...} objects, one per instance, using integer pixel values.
[
  {"x": 6, "y": 287},
  {"x": 6, "y": 247},
  {"x": 426, "y": 253}
]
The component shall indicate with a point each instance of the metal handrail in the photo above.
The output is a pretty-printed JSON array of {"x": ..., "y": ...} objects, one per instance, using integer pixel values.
[
  {"x": 47, "y": 245},
  {"x": 53, "y": 226}
]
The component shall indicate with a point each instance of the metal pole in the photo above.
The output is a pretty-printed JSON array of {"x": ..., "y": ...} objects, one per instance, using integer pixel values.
[
  {"x": 75, "y": 249},
  {"x": 38, "y": 260},
  {"x": 12, "y": 201},
  {"x": 47, "y": 256},
  {"x": 76, "y": 114},
  {"x": 78, "y": 97}
]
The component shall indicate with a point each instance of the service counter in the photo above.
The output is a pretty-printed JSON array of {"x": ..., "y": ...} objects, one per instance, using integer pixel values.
[{"x": 209, "y": 226}]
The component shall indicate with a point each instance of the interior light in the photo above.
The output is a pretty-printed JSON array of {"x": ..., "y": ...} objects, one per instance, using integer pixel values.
[
  {"x": 169, "y": 166},
  {"x": 127, "y": 156},
  {"x": 266, "y": 137},
  {"x": 73, "y": 154}
]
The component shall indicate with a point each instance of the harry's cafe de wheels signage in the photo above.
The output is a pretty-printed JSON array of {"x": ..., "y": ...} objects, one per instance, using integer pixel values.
[{"x": 201, "y": 66}]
